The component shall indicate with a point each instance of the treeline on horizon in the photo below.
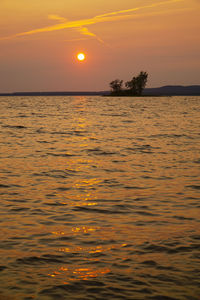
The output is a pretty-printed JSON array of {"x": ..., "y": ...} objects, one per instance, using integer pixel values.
[{"x": 134, "y": 87}]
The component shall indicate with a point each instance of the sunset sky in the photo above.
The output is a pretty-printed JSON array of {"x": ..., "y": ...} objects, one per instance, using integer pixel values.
[{"x": 39, "y": 42}]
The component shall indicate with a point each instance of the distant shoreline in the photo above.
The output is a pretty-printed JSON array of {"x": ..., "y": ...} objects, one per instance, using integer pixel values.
[
  {"x": 54, "y": 94},
  {"x": 170, "y": 90}
]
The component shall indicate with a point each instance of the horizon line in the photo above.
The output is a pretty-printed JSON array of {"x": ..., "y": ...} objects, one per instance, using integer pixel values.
[{"x": 79, "y": 93}]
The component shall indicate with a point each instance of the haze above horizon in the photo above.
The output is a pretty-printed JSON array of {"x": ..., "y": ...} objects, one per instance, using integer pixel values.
[{"x": 39, "y": 42}]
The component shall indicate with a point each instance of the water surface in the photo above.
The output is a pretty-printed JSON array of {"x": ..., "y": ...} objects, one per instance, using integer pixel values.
[{"x": 99, "y": 198}]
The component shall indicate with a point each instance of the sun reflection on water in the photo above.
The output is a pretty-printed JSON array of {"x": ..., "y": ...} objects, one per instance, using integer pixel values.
[
  {"x": 84, "y": 229},
  {"x": 87, "y": 183},
  {"x": 99, "y": 188},
  {"x": 68, "y": 273},
  {"x": 76, "y": 273}
]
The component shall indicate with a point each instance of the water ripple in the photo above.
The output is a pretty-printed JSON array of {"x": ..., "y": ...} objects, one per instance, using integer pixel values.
[{"x": 99, "y": 198}]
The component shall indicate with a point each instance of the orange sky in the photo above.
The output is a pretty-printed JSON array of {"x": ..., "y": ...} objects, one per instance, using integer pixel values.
[{"x": 39, "y": 41}]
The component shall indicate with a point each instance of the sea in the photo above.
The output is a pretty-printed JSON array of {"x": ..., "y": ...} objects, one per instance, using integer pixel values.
[{"x": 99, "y": 198}]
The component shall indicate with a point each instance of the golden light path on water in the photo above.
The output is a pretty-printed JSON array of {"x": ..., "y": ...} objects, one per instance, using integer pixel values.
[{"x": 100, "y": 193}]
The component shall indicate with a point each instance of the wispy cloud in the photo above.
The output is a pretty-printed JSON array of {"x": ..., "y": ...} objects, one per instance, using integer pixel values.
[
  {"x": 85, "y": 31},
  {"x": 125, "y": 11},
  {"x": 81, "y": 25},
  {"x": 82, "y": 30},
  {"x": 57, "y": 18}
]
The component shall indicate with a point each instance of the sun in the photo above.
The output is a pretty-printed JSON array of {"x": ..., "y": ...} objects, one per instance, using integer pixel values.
[{"x": 81, "y": 56}]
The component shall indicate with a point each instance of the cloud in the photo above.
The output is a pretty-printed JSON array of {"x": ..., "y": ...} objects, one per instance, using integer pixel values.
[
  {"x": 82, "y": 30},
  {"x": 85, "y": 31},
  {"x": 137, "y": 8},
  {"x": 80, "y": 25},
  {"x": 57, "y": 18}
]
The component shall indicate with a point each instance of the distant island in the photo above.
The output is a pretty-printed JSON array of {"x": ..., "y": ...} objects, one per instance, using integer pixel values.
[
  {"x": 134, "y": 87},
  {"x": 137, "y": 87}
]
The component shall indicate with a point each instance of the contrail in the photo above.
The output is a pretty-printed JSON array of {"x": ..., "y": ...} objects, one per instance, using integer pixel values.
[
  {"x": 80, "y": 25},
  {"x": 82, "y": 30},
  {"x": 137, "y": 8},
  {"x": 85, "y": 31}
]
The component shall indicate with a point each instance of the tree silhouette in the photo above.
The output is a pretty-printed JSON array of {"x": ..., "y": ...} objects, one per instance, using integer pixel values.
[
  {"x": 116, "y": 86},
  {"x": 134, "y": 87},
  {"x": 137, "y": 84}
]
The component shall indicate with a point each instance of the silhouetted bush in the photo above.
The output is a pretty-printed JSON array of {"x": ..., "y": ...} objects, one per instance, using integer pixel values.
[{"x": 134, "y": 87}]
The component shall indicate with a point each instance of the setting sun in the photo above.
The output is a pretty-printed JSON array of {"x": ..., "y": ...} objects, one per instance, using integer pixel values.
[{"x": 81, "y": 56}]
